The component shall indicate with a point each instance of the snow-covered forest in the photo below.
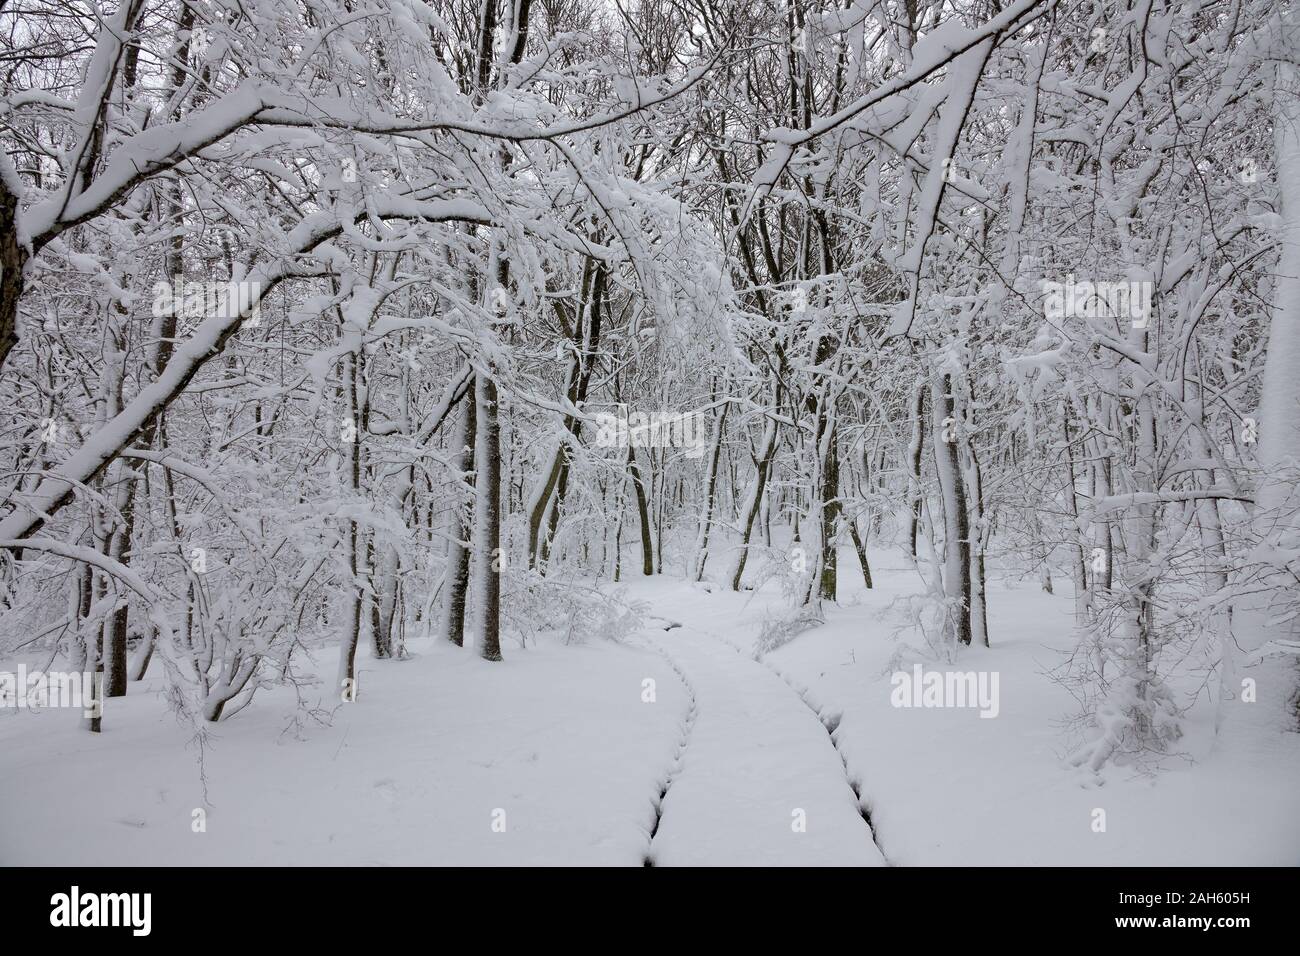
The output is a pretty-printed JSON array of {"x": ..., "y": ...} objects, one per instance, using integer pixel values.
[{"x": 649, "y": 431}]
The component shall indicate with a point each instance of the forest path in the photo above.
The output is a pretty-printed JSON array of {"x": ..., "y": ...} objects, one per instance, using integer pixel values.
[{"x": 758, "y": 782}]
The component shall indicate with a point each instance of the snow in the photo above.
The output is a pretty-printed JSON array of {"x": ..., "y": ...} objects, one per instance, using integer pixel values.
[
  {"x": 561, "y": 739},
  {"x": 945, "y": 787},
  {"x": 1279, "y": 403},
  {"x": 754, "y": 757},
  {"x": 410, "y": 225},
  {"x": 410, "y": 774}
]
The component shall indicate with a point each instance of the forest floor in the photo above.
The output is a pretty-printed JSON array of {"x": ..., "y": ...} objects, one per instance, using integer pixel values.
[{"x": 568, "y": 755}]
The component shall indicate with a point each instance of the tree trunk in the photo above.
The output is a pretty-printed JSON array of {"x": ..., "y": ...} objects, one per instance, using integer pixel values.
[
  {"x": 830, "y": 512},
  {"x": 13, "y": 258},
  {"x": 710, "y": 484},
  {"x": 458, "y": 553},
  {"x": 956, "y": 540},
  {"x": 978, "y": 537},
  {"x": 1279, "y": 399},
  {"x": 914, "y": 459},
  {"x": 348, "y": 652},
  {"x": 753, "y": 500},
  {"x": 492, "y": 560},
  {"x": 861, "y": 549},
  {"x": 647, "y": 539}
]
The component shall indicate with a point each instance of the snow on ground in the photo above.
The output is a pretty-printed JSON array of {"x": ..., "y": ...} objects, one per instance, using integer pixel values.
[
  {"x": 556, "y": 736},
  {"x": 760, "y": 783},
  {"x": 944, "y": 786},
  {"x": 562, "y": 739}
]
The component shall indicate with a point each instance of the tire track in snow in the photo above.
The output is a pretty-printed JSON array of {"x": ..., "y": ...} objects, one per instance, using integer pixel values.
[
  {"x": 830, "y": 720},
  {"x": 760, "y": 758},
  {"x": 678, "y": 757}
]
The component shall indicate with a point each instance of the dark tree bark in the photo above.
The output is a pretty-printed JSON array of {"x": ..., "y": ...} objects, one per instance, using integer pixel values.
[
  {"x": 710, "y": 484},
  {"x": 861, "y": 549},
  {"x": 977, "y": 534},
  {"x": 348, "y": 659},
  {"x": 763, "y": 465},
  {"x": 13, "y": 259},
  {"x": 914, "y": 461},
  {"x": 490, "y": 507},
  {"x": 830, "y": 516},
  {"x": 647, "y": 536},
  {"x": 458, "y": 556}
]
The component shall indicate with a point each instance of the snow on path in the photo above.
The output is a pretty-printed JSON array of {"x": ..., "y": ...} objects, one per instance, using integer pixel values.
[{"x": 756, "y": 764}]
